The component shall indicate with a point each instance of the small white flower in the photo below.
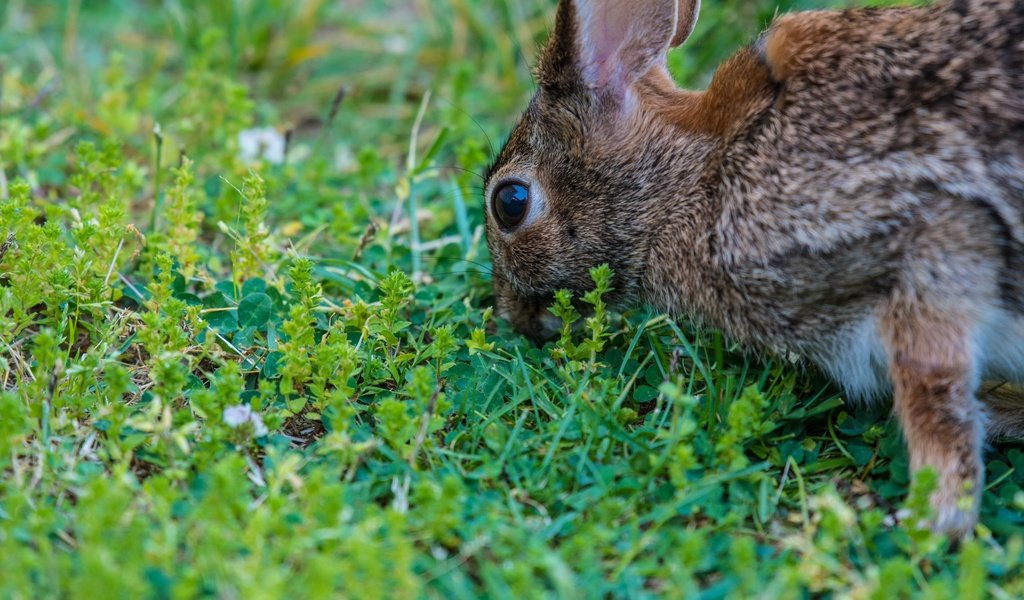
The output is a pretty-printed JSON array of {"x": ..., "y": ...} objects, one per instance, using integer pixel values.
[
  {"x": 237, "y": 416},
  {"x": 396, "y": 44},
  {"x": 261, "y": 142},
  {"x": 344, "y": 159}
]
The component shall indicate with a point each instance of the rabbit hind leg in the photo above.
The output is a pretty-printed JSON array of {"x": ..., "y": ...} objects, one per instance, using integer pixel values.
[{"x": 933, "y": 369}]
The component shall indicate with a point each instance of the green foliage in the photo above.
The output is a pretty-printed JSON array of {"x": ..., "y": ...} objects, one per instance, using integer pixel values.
[
  {"x": 251, "y": 248},
  {"x": 182, "y": 221},
  {"x": 227, "y": 375},
  {"x": 298, "y": 328},
  {"x": 746, "y": 420}
]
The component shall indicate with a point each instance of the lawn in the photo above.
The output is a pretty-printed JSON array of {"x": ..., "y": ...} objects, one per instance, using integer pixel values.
[{"x": 247, "y": 349}]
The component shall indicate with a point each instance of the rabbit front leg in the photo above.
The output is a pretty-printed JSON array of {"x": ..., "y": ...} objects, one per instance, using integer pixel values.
[{"x": 933, "y": 368}]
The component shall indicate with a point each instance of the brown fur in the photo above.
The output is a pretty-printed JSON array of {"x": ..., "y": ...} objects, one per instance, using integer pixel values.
[
  {"x": 741, "y": 87},
  {"x": 795, "y": 40},
  {"x": 850, "y": 187},
  {"x": 1003, "y": 401}
]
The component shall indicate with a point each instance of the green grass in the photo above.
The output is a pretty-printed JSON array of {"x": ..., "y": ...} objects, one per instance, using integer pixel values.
[{"x": 398, "y": 441}]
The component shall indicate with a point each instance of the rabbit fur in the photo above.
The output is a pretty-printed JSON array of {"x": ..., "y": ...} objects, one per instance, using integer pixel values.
[{"x": 850, "y": 187}]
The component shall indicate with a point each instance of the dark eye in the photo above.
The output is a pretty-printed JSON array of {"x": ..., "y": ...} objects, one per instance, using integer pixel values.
[{"x": 510, "y": 204}]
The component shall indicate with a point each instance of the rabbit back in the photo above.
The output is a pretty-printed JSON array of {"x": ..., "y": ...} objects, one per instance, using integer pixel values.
[{"x": 892, "y": 158}]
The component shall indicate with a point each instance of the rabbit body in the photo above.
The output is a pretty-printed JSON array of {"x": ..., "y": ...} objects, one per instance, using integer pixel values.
[
  {"x": 890, "y": 162},
  {"x": 850, "y": 187}
]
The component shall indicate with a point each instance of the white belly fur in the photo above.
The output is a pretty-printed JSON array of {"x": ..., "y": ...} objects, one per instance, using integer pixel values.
[{"x": 856, "y": 359}]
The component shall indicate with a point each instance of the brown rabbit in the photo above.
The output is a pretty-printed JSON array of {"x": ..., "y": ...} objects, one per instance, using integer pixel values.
[{"x": 850, "y": 187}]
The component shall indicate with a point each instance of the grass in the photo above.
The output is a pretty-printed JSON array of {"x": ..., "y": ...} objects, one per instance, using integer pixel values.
[{"x": 232, "y": 378}]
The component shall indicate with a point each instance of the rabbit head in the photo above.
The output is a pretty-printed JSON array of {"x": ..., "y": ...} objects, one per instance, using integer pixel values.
[{"x": 581, "y": 177}]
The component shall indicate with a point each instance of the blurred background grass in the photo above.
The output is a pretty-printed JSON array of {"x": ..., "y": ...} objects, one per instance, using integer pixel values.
[
  {"x": 203, "y": 71},
  {"x": 293, "y": 56}
]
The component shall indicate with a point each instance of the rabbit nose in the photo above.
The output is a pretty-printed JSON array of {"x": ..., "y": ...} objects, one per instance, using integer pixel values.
[
  {"x": 547, "y": 327},
  {"x": 530, "y": 319}
]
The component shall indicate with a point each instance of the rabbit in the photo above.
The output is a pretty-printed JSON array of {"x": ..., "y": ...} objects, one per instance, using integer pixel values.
[{"x": 850, "y": 187}]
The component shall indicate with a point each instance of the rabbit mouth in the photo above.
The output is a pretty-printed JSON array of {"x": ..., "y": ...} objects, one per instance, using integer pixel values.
[
  {"x": 541, "y": 329},
  {"x": 531, "y": 316},
  {"x": 528, "y": 314}
]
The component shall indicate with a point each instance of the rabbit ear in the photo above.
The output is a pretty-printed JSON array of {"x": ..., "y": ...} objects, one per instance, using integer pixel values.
[
  {"x": 686, "y": 20},
  {"x": 609, "y": 44}
]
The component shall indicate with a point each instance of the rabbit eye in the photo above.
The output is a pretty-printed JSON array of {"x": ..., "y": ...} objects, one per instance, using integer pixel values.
[{"x": 510, "y": 204}]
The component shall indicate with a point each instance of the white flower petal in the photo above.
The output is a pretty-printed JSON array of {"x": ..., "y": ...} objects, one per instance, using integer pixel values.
[
  {"x": 261, "y": 143},
  {"x": 257, "y": 425},
  {"x": 236, "y": 416}
]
